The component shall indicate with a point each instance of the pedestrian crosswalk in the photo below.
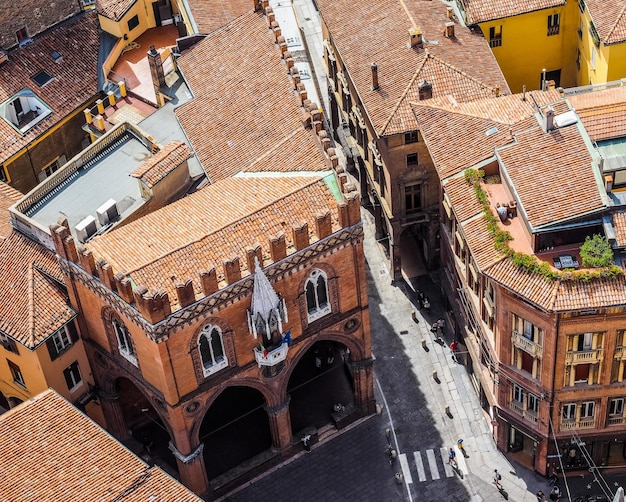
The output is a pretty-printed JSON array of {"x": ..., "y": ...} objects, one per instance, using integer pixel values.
[{"x": 431, "y": 464}]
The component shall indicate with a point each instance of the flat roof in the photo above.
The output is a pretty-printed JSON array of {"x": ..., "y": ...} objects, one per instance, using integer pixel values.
[{"x": 106, "y": 177}]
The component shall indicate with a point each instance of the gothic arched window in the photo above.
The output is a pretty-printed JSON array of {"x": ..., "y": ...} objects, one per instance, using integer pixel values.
[
  {"x": 211, "y": 348},
  {"x": 124, "y": 342},
  {"x": 316, "y": 290}
]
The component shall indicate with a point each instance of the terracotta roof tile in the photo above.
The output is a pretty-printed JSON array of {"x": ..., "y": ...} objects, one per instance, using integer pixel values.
[
  {"x": 535, "y": 287},
  {"x": 74, "y": 77},
  {"x": 479, "y": 11},
  {"x": 162, "y": 163},
  {"x": 602, "y": 113},
  {"x": 480, "y": 242},
  {"x": 600, "y": 293},
  {"x": 209, "y": 16},
  {"x": 113, "y": 9},
  {"x": 382, "y": 28},
  {"x": 609, "y": 17},
  {"x": 462, "y": 197},
  {"x": 221, "y": 222},
  {"x": 8, "y": 197},
  {"x": 619, "y": 224},
  {"x": 244, "y": 102},
  {"x": 63, "y": 455},
  {"x": 34, "y": 305},
  {"x": 551, "y": 187}
]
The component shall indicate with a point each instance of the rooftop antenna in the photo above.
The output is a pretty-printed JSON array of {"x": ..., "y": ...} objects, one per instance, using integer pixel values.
[{"x": 524, "y": 92}]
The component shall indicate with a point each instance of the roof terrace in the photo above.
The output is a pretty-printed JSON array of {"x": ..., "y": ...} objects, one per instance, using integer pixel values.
[{"x": 85, "y": 190}]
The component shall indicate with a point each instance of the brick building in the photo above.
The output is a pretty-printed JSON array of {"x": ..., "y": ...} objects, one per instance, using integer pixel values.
[
  {"x": 224, "y": 326},
  {"x": 526, "y": 179},
  {"x": 416, "y": 52}
]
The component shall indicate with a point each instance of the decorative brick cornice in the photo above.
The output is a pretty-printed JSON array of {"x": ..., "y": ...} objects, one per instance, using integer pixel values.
[{"x": 229, "y": 295}]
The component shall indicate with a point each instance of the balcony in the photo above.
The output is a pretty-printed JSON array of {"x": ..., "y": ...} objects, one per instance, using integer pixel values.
[
  {"x": 495, "y": 42},
  {"x": 529, "y": 415},
  {"x": 584, "y": 356},
  {"x": 583, "y": 423},
  {"x": 620, "y": 353},
  {"x": 616, "y": 420},
  {"x": 523, "y": 343},
  {"x": 553, "y": 30},
  {"x": 273, "y": 357}
]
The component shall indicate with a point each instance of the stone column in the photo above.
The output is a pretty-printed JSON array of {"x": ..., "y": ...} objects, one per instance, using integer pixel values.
[
  {"x": 191, "y": 468},
  {"x": 113, "y": 415},
  {"x": 363, "y": 383},
  {"x": 280, "y": 424}
]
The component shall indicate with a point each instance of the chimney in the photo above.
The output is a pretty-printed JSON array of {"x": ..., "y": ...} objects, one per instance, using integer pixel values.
[
  {"x": 156, "y": 68},
  {"x": 524, "y": 92},
  {"x": 450, "y": 29},
  {"x": 374, "y": 76},
  {"x": 608, "y": 182},
  {"x": 450, "y": 12},
  {"x": 425, "y": 90},
  {"x": 496, "y": 91},
  {"x": 415, "y": 37},
  {"x": 548, "y": 119}
]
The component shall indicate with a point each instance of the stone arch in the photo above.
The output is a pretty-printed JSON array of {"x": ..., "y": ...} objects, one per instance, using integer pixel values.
[
  {"x": 244, "y": 382},
  {"x": 228, "y": 339}
]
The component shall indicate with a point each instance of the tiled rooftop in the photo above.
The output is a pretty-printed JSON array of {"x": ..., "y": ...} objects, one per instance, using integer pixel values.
[
  {"x": 609, "y": 17},
  {"x": 74, "y": 77},
  {"x": 209, "y": 16},
  {"x": 113, "y": 9},
  {"x": 8, "y": 197},
  {"x": 244, "y": 103},
  {"x": 63, "y": 455},
  {"x": 222, "y": 221},
  {"x": 602, "y": 113},
  {"x": 34, "y": 304},
  {"x": 162, "y": 163},
  {"x": 619, "y": 224},
  {"x": 377, "y": 31},
  {"x": 479, "y": 11}
]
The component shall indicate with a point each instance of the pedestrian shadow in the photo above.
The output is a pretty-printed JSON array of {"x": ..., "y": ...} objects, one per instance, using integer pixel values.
[
  {"x": 457, "y": 471},
  {"x": 504, "y": 494}
]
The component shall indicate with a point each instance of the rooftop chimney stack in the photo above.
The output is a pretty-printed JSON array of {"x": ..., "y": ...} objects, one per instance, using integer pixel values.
[
  {"x": 156, "y": 69},
  {"x": 425, "y": 90},
  {"x": 449, "y": 29},
  {"x": 374, "y": 77},
  {"x": 524, "y": 92},
  {"x": 450, "y": 12},
  {"x": 415, "y": 37},
  {"x": 548, "y": 119}
]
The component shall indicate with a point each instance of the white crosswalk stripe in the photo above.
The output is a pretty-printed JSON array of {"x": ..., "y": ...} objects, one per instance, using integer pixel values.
[
  {"x": 446, "y": 466},
  {"x": 421, "y": 473},
  {"x": 404, "y": 463},
  {"x": 432, "y": 463}
]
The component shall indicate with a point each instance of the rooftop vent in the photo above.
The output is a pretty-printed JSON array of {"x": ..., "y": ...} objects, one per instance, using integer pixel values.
[
  {"x": 107, "y": 212},
  {"x": 374, "y": 76},
  {"x": 415, "y": 37},
  {"x": 565, "y": 119},
  {"x": 56, "y": 56},
  {"x": 85, "y": 228}
]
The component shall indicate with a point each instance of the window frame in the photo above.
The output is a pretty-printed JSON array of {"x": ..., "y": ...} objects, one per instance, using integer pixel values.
[
  {"x": 554, "y": 24},
  {"x": 412, "y": 160},
  {"x": 587, "y": 409},
  {"x": 518, "y": 394},
  {"x": 8, "y": 343},
  {"x": 411, "y": 137},
  {"x": 318, "y": 310},
  {"x": 61, "y": 339},
  {"x": 533, "y": 402},
  {"x": 414, "y": 194},
  {"x": 568, "y": 409},
  {"x": 70, "y": 373},
  {"x": 126, "y": 350},
  {"x": 612, "y": 403},
  {"x": 215, "y": 364},
  {"x": 17, "y": 375}
]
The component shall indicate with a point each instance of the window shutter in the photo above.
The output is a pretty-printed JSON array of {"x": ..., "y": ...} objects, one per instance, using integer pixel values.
[
  {"x": 52, "y": 348},
  {"x": 71, "y": 329},
  {"x": 68, "y": 380}
]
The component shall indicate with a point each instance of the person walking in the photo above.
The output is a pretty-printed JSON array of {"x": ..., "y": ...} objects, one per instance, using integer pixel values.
[
  {"x": 540, "y": 496},
  {"x": 497, "y": 478},
  {"x": 452, "y": 457},
  {"x": 454, "y": 347},
  {"x": 555, "y": 493}
]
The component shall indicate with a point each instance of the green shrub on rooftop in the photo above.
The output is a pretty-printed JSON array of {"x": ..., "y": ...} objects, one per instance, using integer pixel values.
[{"x": 596, "y": 252}]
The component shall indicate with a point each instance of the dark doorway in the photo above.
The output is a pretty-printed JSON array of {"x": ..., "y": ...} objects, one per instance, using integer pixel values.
[
  {"x": 4, "y": 404},
  {"x": 150, "y": 438},
  {"x": 235, "y": 429},
  {"x": 554, "y": 75},
  {"x": 320, "y": 381},
  {"x": 157, "y": 13}
]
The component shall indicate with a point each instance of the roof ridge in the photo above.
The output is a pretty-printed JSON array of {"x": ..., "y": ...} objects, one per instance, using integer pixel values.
[
  {"x": 267, "y": 153},
  {"x": 465, "y": 113},
  {"x": 458, "y": 70},
  {"x": 406, "y": 91},
  {"x": 555, "y": 293},
  {"x": 619, "y": 17},
  {"x": 31, "y": 304},
  {"x": 216, "y": 230}
]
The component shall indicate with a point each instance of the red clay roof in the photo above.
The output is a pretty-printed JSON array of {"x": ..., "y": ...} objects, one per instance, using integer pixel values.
[
  {"x": 244, "y": 104},
  {"x": 209, "y": 16},
  {"x": 162, "y": 163},
  {"x": 64, "y": 455},
  {"x": 609, "y": 17},
  {"x": 8, "y": 197},
  {"x": 113, "y": 9},
  {"x": 74, "y": 77},
  {"x": 602, "y": 113},
  {"x": 34, "y": 304},
  {"x": 377, "y": 31},
  {"x": 479, "y": 11},
  {"x": 221, "y": 221}
]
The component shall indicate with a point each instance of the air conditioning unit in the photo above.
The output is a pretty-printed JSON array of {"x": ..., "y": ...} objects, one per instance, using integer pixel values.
[
  {"x": 86, "y": 228},
  {"x": 107, "y": 212}
]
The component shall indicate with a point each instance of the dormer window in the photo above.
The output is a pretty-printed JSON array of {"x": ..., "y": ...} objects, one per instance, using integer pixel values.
[
  {"x": 22, "y": 37},
  {"x": 41, "y": 78},
  {"x": 25, "y": 109}
]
